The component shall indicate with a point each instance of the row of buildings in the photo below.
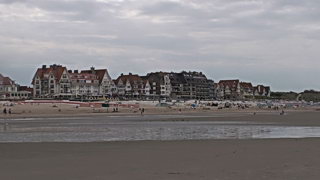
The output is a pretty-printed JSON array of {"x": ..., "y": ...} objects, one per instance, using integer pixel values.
[
  {"x": 9, "y": 89},
  {"x": 58, "y": 82}
]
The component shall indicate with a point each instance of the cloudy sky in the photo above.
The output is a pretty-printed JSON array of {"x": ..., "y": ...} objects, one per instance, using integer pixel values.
[{"x": 274, "y": 42}]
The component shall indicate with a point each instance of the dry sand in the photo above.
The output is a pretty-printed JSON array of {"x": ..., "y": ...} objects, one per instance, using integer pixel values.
[
  {"x": 282, "y": 159},
  {"x": 53, "y": 109}
]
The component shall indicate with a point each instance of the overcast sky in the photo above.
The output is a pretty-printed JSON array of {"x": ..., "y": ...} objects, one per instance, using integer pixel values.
[{"x": 273, "y": 42}]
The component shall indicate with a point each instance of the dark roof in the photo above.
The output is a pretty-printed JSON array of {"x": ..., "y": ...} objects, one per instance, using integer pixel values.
[{"x": 177, "y": 78}]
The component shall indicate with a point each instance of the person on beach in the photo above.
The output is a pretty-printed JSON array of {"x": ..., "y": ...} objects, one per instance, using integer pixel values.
[
  {"x": 5, "y": 111},
  {"x": 142, "y": 111},
  {"x": 9, "y": 110}
]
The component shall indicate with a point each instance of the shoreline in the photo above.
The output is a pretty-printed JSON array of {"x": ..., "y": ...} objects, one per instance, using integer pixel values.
[{"x": 159, "y": 111}]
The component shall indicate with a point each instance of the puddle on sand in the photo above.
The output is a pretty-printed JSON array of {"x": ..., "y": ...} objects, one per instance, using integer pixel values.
[{"x": 150, "y": 131}]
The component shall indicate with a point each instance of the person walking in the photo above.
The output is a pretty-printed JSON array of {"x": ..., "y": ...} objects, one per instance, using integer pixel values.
[{"x": 5, "y": 111}]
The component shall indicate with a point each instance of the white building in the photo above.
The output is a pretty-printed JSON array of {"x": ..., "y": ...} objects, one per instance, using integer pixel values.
[{"x": 50, "y": 82}]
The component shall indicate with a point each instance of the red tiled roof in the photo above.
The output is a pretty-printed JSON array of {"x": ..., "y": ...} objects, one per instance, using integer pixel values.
[
  {"x": 6, "y": 80},
  {"x": 83, "y": 76},
  {"x": 229, "y": 83},
  {"x": 131, "y": 78},
  {"x": 57, "y": 71},
  {"x": 99, "y": 73},
  {"x": 246, "y": 85}
]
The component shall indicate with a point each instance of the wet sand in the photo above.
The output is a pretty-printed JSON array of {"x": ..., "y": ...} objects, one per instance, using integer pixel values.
[
  {"x": 144, "y": 160},
  {"x": 271, "y": 159}
]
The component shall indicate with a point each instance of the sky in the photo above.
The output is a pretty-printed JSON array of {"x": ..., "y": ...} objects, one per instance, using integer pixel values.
[{"x": 271, "y": 42}]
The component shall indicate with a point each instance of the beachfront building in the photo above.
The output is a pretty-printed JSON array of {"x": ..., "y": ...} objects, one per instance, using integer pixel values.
[
  {"x": 52, "y": 82},
  {"x": 246, "y": 89},
  {"x": 236, "y": 90},
  {"x": 83, "y": 84},
  {"x": 159, "y": 85},
  {"x": 56, "y": 81},
  {"x": 9, "y": 90},
  {"x": 130, "y": 86},
  {"x": 262, "y": 90},
  {"x": 106, "y": 87},
  {"x": 7, "y": 85},
  {"x": 146, "y": 87},
  {"x": 229, "y": 89},
  {"x": 191, "y": 85}
]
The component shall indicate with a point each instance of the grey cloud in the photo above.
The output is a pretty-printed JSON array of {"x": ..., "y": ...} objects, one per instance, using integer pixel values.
[{"x": 262, "y": 41}]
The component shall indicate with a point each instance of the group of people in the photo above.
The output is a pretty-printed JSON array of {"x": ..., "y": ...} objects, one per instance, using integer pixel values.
[{"x": 5, "y": 111}]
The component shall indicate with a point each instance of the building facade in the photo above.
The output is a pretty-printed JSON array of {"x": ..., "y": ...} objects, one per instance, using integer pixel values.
[
  {"x": 229, "y": 89},
  {"x": 130, "y": 86},
  {"x": 191, "y": 85},
  {"x": 9, "y": 90},
  {"x": 160, "y": 85},
  {"x": 56, "y": 81},
  {"x": 52, "y": 82},
  {"x": 262, "y": 90}
]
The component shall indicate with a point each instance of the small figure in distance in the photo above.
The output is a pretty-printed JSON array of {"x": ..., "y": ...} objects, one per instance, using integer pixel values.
[
  {"x": 9, "y": 110},
  {"x": 5, "y": 111},
  {"x": 142, "y": 111}
]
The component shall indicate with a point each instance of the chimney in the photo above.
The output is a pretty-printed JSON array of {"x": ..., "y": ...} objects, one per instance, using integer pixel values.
[
  {"x": 130, "y": 73},
  {"x": 44, "y": 66},
  {"x": 69, "y": 71},
  {"x": 54, "y": 66},
  {"x": 92, "y": 70},
  {"x": 121, "y": 74},
  {"x": 76, "y": 71}
]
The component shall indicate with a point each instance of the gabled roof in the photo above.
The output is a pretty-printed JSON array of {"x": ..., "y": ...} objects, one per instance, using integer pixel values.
[
  {"x": 131, "y": 78},
  {"x": 229, "y": 83},
  {"x": 145, "y": 79},
  {"x": 246, "y": 85},
  {"x": 98, "y": 72},
  {"x": 55, "y": 70},
  {"x": 6, "y": 81}
]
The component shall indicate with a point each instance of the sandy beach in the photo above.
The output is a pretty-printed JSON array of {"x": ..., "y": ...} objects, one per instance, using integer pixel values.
[
  {"x": 24, "y": 110},
  {"x": 215, "y": 159},
  {"x": 220, "y": 159}
]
